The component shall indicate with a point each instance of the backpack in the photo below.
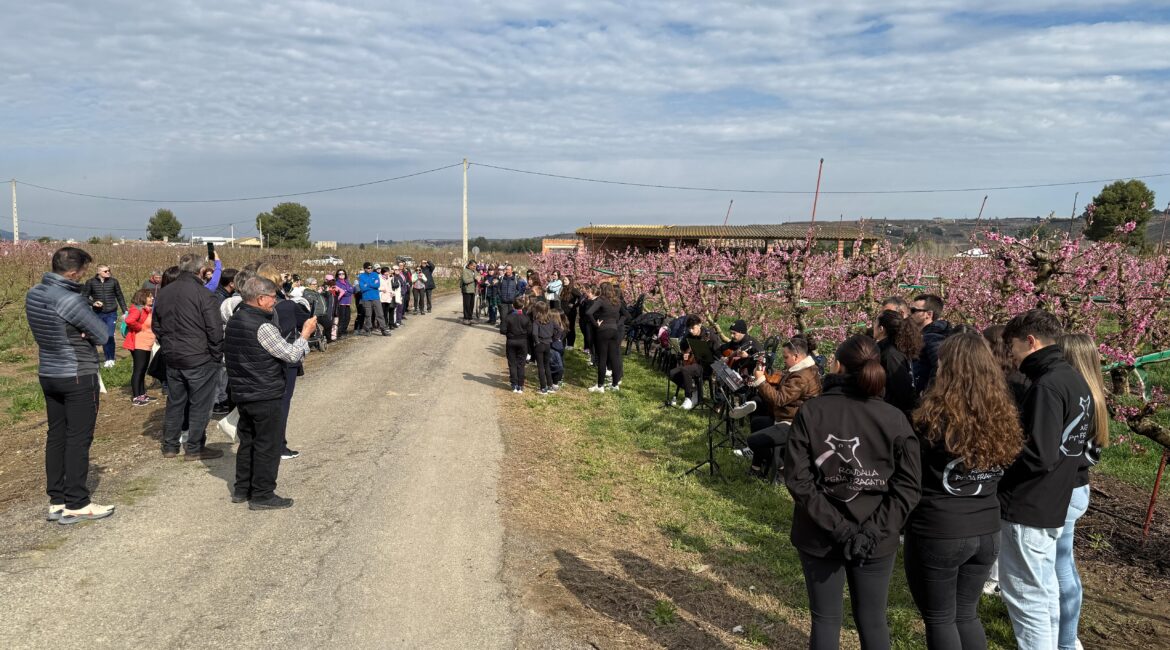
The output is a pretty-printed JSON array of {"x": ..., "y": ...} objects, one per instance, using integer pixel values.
[{"x": 122, "y": 327}]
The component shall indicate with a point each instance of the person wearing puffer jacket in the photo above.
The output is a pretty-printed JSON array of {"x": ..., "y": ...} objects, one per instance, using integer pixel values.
[
  {"x": 428, "y": 268},
  {"x": 66, "y": 330}
]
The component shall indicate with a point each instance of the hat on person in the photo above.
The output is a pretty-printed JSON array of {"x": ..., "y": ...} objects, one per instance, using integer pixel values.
[{"x": 740, "y": 327}]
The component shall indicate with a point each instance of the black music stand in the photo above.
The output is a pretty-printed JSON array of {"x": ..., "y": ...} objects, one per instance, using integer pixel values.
[{"x": 721, "y": 429}]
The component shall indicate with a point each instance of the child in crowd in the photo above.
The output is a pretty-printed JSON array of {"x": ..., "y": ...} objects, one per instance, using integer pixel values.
[{"x": 139, "y": 340}]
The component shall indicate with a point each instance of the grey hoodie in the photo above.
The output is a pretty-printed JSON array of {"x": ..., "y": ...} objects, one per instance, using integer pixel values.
[{"x": 65, "y": 327}]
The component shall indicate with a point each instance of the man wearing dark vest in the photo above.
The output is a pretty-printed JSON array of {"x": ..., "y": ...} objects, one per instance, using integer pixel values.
[{"x": 256, "y": 355}]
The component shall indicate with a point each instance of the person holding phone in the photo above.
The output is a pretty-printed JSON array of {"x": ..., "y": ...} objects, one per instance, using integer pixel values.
[{"x": 257, "y": 357}]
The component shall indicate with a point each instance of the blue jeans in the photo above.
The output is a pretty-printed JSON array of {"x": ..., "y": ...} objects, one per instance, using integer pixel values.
[
  {"x": 111, "y": 319},
  {"x": 1066, "y": 571},
  {"x": 1027, "y": 579}
]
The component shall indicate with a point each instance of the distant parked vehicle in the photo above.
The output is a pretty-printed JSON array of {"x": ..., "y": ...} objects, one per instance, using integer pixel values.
[
  {"x": 325, "y": 261},
  {"x": 405, "y": 259}
]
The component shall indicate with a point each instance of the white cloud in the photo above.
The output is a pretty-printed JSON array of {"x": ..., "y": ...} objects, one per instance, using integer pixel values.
[{"x": 204, "y": 99}]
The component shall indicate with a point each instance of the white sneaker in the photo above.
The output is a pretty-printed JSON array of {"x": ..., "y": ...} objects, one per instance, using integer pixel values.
[
  {"x": 743, "y": 410},
  {"x": 687, "y": 404},
  {"x": 108, "y": 364},
  {"x": 608, "y": 373},
  {"x": 991, "y": 588},
  {"x": 616, "y": 387},
  {"x": 746, "y": 452},
  {"x": 55, "y": 511},
  {"x": 92, "y": 511},
  {"x": 183, "y": 436},
  {"x": 596, "y": 389}
]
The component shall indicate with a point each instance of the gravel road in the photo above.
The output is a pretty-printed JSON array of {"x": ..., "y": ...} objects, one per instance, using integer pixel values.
[{"x": 394, "y": 541}]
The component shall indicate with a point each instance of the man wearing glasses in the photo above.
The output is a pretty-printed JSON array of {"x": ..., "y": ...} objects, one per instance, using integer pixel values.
[
  {"x": 105, "y": 296},
  {"x": 256, "y": 355},
  {"x": 927, "y": 313}
]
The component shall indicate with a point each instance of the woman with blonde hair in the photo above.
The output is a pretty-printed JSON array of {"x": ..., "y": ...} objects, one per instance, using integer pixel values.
[
  {"x": 970, "y": 432},
  {"x": 1081, "y": 352}
]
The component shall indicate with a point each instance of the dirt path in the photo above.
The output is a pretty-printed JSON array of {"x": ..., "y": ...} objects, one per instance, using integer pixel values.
[{"x": 395, "y": 539}]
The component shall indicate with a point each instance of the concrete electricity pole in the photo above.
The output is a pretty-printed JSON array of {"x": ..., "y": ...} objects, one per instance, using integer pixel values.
[
  {"x": 465, "y": 258},
  {"x": 15, "y": 220}
]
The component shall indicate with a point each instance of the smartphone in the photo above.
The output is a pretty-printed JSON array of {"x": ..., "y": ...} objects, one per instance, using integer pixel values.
[{"x": 210, "y": 250}]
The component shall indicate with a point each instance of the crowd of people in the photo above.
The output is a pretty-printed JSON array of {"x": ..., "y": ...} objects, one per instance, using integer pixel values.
[
  {"x": 216, "y": 339},
  {"x": 969, "y": 448}
]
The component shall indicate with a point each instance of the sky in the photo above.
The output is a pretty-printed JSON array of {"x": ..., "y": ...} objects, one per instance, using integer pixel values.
[{"x": 207, "y": 99}]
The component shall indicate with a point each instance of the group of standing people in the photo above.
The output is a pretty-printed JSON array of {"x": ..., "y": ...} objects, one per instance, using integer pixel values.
[
  {"x": 974, "y": 445},
  {"x": 379, "y": 300}
]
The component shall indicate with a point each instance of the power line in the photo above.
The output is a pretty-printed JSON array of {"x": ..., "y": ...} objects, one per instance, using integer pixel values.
[
  {"x": 240, "y": 199},
  {"x": 758, "y": 191},
  {"x": 139, "y": 229}
]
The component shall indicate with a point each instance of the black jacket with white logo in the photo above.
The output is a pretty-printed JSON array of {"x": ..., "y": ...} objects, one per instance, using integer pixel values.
[
  {"x": 957, "y": 501},
  {"x": 1057, "y": 415},
  {"x": 850, "y": 461}
]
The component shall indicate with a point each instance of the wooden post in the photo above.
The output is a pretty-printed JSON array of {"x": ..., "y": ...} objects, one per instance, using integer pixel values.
[{"x": 817, "y": 193}]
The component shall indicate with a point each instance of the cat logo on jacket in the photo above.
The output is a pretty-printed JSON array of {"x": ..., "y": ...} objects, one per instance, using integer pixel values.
[{"x": 841, "y": 473}]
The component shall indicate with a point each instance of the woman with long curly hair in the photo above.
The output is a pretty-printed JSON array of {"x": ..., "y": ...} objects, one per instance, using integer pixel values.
[
  {"x": 1081, "y": 352},
  {"x": 970, "y": 432}
]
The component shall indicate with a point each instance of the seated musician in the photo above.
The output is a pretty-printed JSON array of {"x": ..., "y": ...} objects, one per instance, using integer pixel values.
[
  {"x": 738, "y": 351},
  {"x": 690, "y": 374},
  {"x": 800, "y": 381}
]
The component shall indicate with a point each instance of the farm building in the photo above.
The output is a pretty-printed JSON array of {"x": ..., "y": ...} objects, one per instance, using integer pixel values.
[{"x": 763, "y": 237}]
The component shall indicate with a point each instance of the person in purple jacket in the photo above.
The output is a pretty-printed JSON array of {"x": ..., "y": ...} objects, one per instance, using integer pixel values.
[{"x": 344, "y": 301}]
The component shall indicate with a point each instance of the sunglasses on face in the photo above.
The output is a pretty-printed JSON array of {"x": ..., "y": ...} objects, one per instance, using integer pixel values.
[{"x": 918, "y": 310}]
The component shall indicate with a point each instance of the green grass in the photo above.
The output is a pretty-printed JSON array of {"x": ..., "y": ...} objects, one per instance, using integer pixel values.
[{"x": 737, "y": 525}]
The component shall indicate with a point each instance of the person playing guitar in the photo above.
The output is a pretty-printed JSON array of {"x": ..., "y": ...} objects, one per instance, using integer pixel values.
[
  {"x": 800, "y": 382},
  {"x": 689, "y": 375},
  {"x": 737, "y": 352}
]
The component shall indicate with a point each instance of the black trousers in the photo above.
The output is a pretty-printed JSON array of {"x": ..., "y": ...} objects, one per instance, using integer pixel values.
[
  {"x": 609, "y": 354},
  {"x": 516, "y": 350},
  {"x": 71, "y": 404},
  {"x": 687, "y": 378},
  {"x": 428, "y": 298},
  {"x": 946, "y": 579},
  {"x": 505, "y": 309},
  {"x": 342, "y": 320},
  {"x": 542, "y": 353},
  {"x": 360, "y": 319},
  {"x": 258, "y": 456},
  {"x": 571, "y": 335},
  {"x": 869, "y": 586},
  {"x": 765, "y": 442},
  {"x": 372, "y": 315},
  {"x": 406, "y": 290},
  {"x": 388, "y": 313},
  {"x": 290, "y": 384},
  {"x": 468, "y": 305},
  {"x": 191, "y": 393},
  {"x": 588, "y": 333},
  {"x": 138, "y": 374},
  {"x": 418, "y": 300}
]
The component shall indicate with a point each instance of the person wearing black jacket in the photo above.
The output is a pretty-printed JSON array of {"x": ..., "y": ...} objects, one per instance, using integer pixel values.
[
  {"x": 1035, "y": 492},
  {"x": 428, "y": 268},
  {"x": 289, "y": 317},
  {"x": 900, "y": 343},
  {"x": 853, "y": 468},
  {"x": 570, "y": 302},
  {"x": 952, "y": 538},
  {"x": 689, "y": 374},
  {"x": 610, "y": 316},
  {"x": 105, "y": 295},
  {"x": 588, "y": 327},
  {"x": 926, "y": 312},
  {"x": 189, "y": 329},
  {"x": 516, "y": 327}
]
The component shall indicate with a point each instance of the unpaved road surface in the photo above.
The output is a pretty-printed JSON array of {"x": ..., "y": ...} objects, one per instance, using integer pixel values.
[{"x": 394, "y": 540}]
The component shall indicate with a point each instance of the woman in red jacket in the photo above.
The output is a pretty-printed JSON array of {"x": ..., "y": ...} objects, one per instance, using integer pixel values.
[{"x": 139, "y": 340}]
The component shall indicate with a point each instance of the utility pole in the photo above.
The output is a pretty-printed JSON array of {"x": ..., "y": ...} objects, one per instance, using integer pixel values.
[
  {"x": 233, "y": 235},
  {"x": 817, "y": 194},
  {"x": 260, "y": 227},
  {"x": 728, "y": 215},
  {"x": 1073, "y": 217},
  {"x": 979, "y": 216},
  {"x": 1161, "y": 243},
  {"x": 465, "y": 258},
  {"x": 15, "y": 220}
]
